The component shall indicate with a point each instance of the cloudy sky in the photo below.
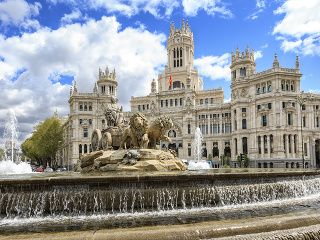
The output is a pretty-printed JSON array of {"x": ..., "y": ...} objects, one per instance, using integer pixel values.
[{"x": 47, "y": 45}]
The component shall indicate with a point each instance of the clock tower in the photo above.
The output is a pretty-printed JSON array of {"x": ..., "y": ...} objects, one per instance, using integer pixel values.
[{"x": 180, "y": 51}]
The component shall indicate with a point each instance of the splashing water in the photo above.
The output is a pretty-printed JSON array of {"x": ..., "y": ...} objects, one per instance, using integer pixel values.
[
  {"x": 197, "y": 146},
  {"x": 11, "y": 135},
  {"x": 11, "y": 132}
]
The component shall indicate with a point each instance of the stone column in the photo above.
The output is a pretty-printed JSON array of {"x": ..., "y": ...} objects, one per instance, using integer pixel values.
[{"x": 287, "y": 146}]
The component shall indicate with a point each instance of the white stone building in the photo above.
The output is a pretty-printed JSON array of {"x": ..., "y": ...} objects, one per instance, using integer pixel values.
[
  {"x": 264, "y": 118},
  {"x": 86, "y": 114}
]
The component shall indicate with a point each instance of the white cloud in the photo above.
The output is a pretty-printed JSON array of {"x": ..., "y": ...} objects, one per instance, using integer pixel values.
[
  {"x": 32, "y": 66},
  {"x": 68, "y": 18},
  {"x": 257, "y": 55},
  {"x": 157, "y": 8},
  {"x": 265, "y": 46},
  {"x": 260, "y": 4},
  {"x": 300, "y": 28},
  {"x": 211, "y": 7},
  {"x": 214, "y": 67},
  {"x": 18, "y": 13}
]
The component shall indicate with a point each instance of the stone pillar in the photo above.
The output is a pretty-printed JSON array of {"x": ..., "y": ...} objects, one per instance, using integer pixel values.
[{"x": 287, "y": 146}]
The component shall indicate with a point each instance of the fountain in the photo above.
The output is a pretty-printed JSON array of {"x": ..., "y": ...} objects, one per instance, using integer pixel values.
[
  {"x": 11, "y": 134},
  {"x": 197, "y": 146},
  {"x": 154, "y": 204}
]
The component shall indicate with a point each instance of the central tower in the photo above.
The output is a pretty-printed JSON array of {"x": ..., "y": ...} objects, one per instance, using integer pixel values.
[{"x": 180, "y": 68}]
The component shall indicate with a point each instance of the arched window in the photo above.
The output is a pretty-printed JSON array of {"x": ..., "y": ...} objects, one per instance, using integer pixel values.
[
  {"x": 270, "y": 88},
  {"x": 264, "y": 89},
  {"x": 271, "y": 143},
  {"x": 85, "y": 148},
  {"x": 80, "y": 149},
  {"x": 259, "y": 144},
  {"x": 258, "y": 91},
  {"x": 174, "y": 53},
  {"x": 85, "y": 107},
  {"x": 90, "y": 108},
  {"x": 80, "y": 107},
  {"x": 181, "y": 52},
  {"x": 177, "y": 53},
  {"x": 265, "y": 165}
]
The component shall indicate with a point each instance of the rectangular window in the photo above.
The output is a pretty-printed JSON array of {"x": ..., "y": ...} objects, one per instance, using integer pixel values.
[
  {"x": 85, "y": 132},
  {"x": 207, "y": 101},
  {"x": 171, "y": 102},
  {"x": 203, "y": 129},
  {"x": 283, "y": 104},
  {"x": 139, "y": 108},
  {"x": 289, "y": 119},
  {"x": 201, "y": 101},
  {"x": 206, "y": 129},
  {"x": 180, "y": 62},
  {"x": 167, "y": 103},
  {"x": 203, "y": 116},
  {"x": 180, "y": 101},
  {"x": 80, "y": 121},
  {"x": 90, "y": 121},
  {"x": 244, "y": 123},
  {"x": 211, "y": 100},
  {"x": 143, "y": 107},
  {"x": 304, "y": 121},
  {"x": 244, "y": 110},
  {"x": 305, "y": 149},
  {"x": 227, "y": 127},
  {"x": 176, "y": 102},
  {"x": 189, "y": 152},
  {"x": 214, "y": 115},
  {"x": 210, "y": 128},
  {"x": 174, "y": 63},
  {"x": 222, "y": 127},
  {"x": 189, "y": 129},
  {"x": 269, "y": 105},
  {"x": 264, "y": 120},
  {"x": 161, "y": 103},
  {"x": 80, "y": 107},
  {"x": 215, "y": 129}
]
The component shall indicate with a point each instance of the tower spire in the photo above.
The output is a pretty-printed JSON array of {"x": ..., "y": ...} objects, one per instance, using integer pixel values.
[{"x": 275, "y": 62}]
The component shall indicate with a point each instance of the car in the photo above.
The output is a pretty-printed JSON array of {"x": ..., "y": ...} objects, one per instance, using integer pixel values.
[
  {"x": 48, "y": 169},
  {"x": 39, "y": 169}
]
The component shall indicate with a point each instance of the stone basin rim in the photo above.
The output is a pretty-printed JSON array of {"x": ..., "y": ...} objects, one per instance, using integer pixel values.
[{"x": 179, "y": 177}]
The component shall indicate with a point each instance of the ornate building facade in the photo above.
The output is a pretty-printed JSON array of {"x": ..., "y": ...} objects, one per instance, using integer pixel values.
[
  {"x": 87, "y": 114},
  {"x": 268, "y": 118}
]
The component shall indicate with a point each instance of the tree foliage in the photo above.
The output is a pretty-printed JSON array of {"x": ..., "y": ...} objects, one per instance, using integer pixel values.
[
  {"x": 225, "y": 160},
  {"x": 245, "y": 162},
  {"x": 44, "y": 142},
  {"x": 1, "y": 154}
]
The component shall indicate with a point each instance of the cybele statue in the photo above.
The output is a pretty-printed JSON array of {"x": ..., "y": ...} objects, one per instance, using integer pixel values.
[{"x": 132, "y": 147}]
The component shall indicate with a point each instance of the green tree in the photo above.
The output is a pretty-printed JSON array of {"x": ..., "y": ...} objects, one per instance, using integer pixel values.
[
  {"x": 225, "y": 160},
  {"x": 44, "y": 142},
  {"x": 1, "y": 154},
  {"x": 239, "y": 160},
  {"x": 246, "y": 161}
]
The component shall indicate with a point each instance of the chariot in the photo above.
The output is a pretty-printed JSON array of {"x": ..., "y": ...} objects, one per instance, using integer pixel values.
[{"x": 107, "y": 139}]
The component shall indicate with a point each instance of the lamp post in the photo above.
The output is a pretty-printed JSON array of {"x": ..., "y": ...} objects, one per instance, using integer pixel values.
[{"x": 301, "y": 99}]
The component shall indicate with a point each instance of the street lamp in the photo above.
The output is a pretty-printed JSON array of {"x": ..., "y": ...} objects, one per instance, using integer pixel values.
[{"x": 301, "y": 99}]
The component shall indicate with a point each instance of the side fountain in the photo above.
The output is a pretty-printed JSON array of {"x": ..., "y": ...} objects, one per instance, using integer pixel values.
[
  {"x": 197, "y": 146},
  {"x": 134, "y": 194},
  {"x": 11, "y": 134}
]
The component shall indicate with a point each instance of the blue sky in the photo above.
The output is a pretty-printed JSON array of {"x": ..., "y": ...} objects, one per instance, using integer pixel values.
[{"x": 46, "y": 45}]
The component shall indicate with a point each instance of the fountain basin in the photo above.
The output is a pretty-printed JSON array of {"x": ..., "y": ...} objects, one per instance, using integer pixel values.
[{"x": 106, "y": 202}]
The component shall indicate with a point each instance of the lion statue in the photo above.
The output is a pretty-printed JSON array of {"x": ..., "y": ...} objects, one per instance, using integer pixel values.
[
  {"x": 137, "y": 131},
  {"x": 157, "y": 130}
]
